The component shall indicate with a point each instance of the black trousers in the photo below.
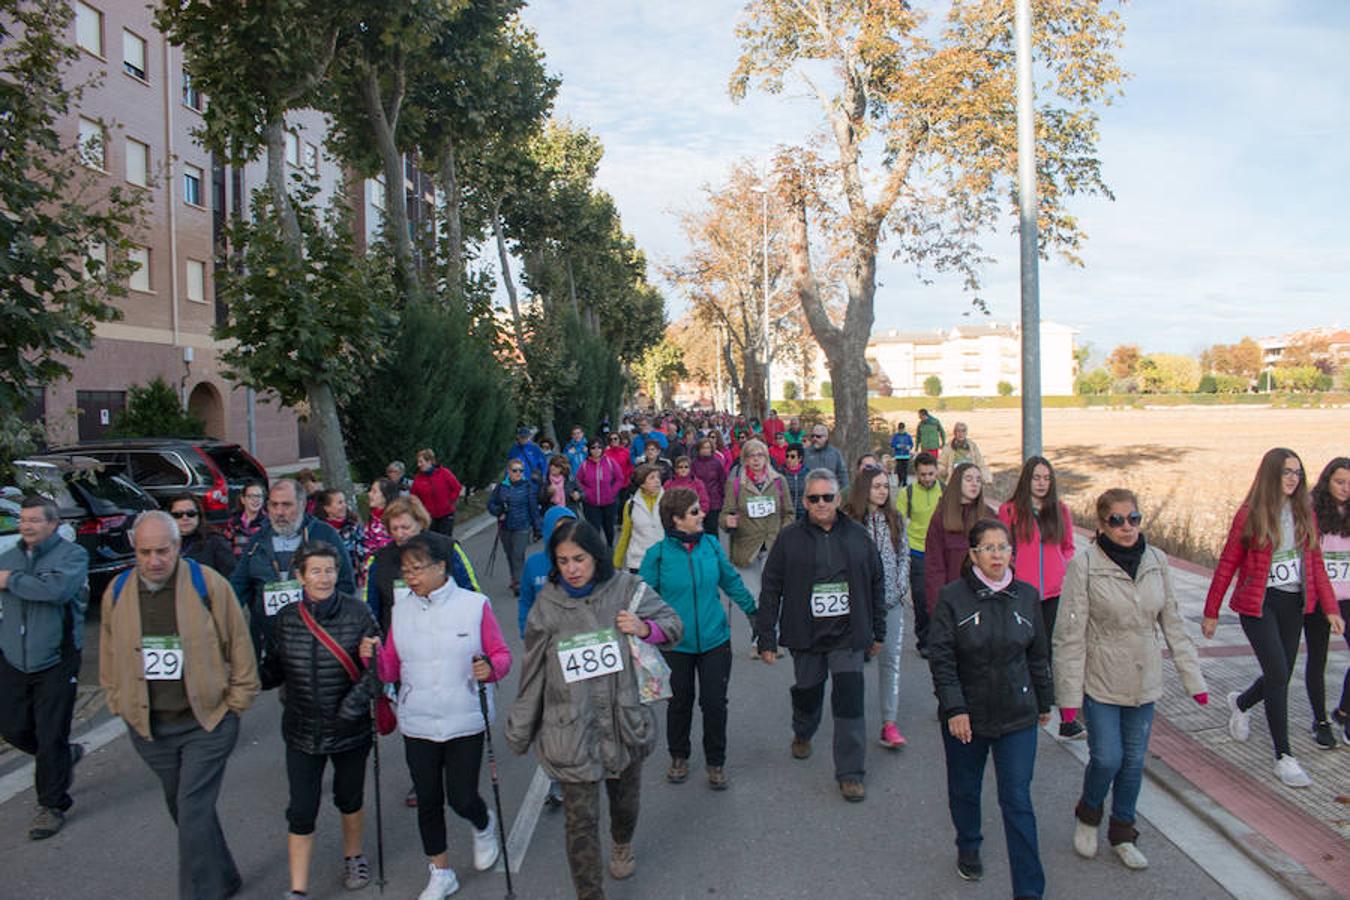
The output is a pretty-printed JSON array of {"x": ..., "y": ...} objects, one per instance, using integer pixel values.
[
  {"x": 602, "y": 519},
  {"x": 1274, "y": 637},
  {"x": 920, "y": 595},
  {"x": 35, "y": 711},
  {"x": 304, "y": 772},
  {"x": 444, "y": 525},
  {"x": 444, "y": 770},
  {"x": 712, "y": 669}
]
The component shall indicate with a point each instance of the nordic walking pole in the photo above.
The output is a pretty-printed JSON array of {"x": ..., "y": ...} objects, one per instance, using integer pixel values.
[
  {"x": 379, "y": 812},
  {"x": 496, "y": 784}
]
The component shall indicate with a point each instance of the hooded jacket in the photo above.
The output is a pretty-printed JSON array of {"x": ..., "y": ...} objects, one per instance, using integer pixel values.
[
  {"x": 710, "y": 471},
  {"x": 534, "y": 574},
  {"x": 517, "y": 503},
  {"x": 1036, "y": 562}
]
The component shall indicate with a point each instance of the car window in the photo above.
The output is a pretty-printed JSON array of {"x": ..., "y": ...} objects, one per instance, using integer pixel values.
[
  {"x": 9, "y": 517},
  {"x": 48, "y": 481},
  {"x": 235, "y": 463},
  {"x": 111, "y": 494},
  {"x": 156, "y": 469}
]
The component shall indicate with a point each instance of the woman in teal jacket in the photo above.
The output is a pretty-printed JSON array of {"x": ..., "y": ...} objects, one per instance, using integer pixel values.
[{"x": 687, "y": 569}]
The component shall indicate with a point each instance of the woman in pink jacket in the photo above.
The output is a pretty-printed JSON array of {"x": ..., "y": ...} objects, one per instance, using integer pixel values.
[
  {"x": 1042, "y": 530},
  {"x": 601, "y": 479},
  {"x": 684, "y": 477}
]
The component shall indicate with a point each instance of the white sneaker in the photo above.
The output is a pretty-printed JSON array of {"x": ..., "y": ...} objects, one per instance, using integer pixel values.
[
  {"x": 1084, "y": 839},
  {"x": 1239, "y": 722},
  {"x": 442, "y": 884},
  {"x": 1129, "y": 854},
  {"x": 486, "y": 847},
  {"x": 1291, "y": 773}
]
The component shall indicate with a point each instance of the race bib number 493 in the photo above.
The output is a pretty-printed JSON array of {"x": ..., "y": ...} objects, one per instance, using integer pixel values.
[
  {"x": 279, "y": 594},
  {"x": 829, "y": 599},
  {"x": 590, "y": 655},
  {"x": 162, "y": 658}
]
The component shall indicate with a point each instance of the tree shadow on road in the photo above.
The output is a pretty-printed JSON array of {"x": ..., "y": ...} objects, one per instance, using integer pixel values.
[{"x": 1075, "y": 462}]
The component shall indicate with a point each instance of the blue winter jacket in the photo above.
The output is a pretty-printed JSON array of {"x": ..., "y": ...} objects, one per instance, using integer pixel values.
[
  {"x": 536, "y": 464},
  {"x": 688, "y": 579},
  {"x": 534, "y": 574},
  {"x": 575, "y": 451},
  {"x": 42, "y": 606},
  {"x": 519, "y": 502}
]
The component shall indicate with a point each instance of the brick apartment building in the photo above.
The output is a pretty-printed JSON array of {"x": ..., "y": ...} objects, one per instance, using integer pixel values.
[{"x": 136, "y": 127}]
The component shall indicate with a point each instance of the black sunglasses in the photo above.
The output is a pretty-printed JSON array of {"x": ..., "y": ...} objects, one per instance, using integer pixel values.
[
  {"x": 820, "y": 498},
  {"x": 1115, "y": 520},
  {"x": 185, "y": 514}
]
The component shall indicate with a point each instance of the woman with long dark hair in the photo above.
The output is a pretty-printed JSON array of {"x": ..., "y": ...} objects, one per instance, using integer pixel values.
[
  {"x": 947, "y": 547},
  {"x": 869, "y": 504},
  {"x": 1042, "y": 530},
  {"x": 199, "y": 540},
  {"x": 1331, "y": 506},
  {"x": 1274, "y": 553}
]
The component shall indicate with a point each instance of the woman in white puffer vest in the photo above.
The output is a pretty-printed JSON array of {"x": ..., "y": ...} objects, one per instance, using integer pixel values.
[{"x": 442, "y": 642}]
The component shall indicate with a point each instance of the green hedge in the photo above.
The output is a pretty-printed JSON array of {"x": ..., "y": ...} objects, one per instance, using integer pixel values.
[{"x": 882, "y": 405}]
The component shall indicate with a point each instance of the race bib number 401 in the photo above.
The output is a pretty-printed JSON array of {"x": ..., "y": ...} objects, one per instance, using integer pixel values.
[
  {"x": 1338, "y": 566},
  {"x": 1285, "y": 568},
  {"x": 162, "y": 658},
  {"x": 279, "y": 594},
  {"x": 590, "y": 655},
  {"x": 829, "y": 599}
]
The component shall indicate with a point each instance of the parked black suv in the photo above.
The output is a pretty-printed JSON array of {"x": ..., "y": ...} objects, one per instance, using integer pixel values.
[
  {"x": 214, "y": 470},
  {"x": 98, "y": 505}
]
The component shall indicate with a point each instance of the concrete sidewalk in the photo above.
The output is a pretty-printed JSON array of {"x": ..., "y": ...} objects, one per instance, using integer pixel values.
[{"x": 1301, "y": 836}]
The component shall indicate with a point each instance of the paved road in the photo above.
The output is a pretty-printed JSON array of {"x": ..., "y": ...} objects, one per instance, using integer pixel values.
[{"x": 782, "y": 831}]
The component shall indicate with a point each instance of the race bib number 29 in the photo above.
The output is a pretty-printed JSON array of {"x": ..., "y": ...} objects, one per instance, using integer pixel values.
[
  {"x": 829, "y": 599},
  {"x": 590, "y": 655},
  {"x": 162, "y": 658},
  {"x": 278, "y": 595}
]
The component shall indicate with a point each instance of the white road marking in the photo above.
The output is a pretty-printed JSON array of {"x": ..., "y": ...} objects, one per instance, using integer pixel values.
[
  {"x": 21, "y": 779},
  {"x": 522, "y": 829}
]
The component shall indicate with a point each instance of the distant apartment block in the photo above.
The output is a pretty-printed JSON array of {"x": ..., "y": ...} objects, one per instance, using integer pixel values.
[
  {"x": 971, "y": 360},
  {"x": 1335, "y": 339}
]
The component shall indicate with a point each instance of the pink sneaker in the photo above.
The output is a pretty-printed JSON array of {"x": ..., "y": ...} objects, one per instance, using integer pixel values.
[{"x": 891, "y": 737}]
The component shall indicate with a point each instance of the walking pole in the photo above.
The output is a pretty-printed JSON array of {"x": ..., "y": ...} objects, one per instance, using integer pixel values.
[
  {"x": 379, "y": 811},
  {"x": 496, "y": 784},
  {"x": 496, "y": 544}
]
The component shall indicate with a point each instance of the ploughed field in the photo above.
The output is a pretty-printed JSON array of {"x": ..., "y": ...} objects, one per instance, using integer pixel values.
[{"x": 1189, "y": 465}]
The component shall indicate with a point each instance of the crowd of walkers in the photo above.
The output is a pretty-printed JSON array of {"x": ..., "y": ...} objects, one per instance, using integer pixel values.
[{"x": 652, "y": 531}]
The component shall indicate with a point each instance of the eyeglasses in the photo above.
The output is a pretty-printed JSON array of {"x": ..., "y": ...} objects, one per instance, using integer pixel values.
[
  {"x": 1116, "y": 520},
  {"x": 820, "y": 437},
  {"x": 820, "y": 498},
  {"x": 515, "y": 471},
  {"x": 253, "y": 496},
  {"x": 693, "y": 510},
  {"x": 1292, "y": 473},
  {"x": 416, "y": 569},
  {"x": 1000, "y": 549},
  {"x": 184, "y": 514}
]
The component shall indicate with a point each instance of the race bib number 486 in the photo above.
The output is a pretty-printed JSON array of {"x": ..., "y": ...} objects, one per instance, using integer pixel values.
[
  {"x": 590, "y": 655},
  {"x": 162, "y": 658},
  {"x": 829, "y": 599},
  {"x": 279, "y": 594}
]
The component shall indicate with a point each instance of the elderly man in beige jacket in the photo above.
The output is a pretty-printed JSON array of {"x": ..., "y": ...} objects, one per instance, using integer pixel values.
[{"x": 176, "y": 663}]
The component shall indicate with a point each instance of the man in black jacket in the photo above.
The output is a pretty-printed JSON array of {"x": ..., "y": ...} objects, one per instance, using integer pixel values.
[{"x": 823, "y": 589}]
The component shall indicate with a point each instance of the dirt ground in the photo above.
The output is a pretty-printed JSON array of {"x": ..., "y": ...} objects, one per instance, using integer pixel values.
[{"x": 1190, "y": 466}]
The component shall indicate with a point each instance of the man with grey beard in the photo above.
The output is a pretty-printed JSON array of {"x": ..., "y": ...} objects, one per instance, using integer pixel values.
[
  {"x": 176, "y": 663},
  {"x": 263, "y": 578}
]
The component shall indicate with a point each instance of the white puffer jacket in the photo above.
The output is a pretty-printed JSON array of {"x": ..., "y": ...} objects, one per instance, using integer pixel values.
[
  {"x": 437, "y": 639},
  {"x": 647, "y": 530}
]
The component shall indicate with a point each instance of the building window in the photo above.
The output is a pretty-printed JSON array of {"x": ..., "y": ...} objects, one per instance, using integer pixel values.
[
  {"x": 89, "y": 28},
  {"x": 192, "y": 185},
  {"x": 196, "y": 280},
  {"x": 192, "y": 98},
  {"x": 140, "y": 277},
  {"x": 138, "y": 163},
  {"x": 92, "y": 147},
  {"x": 312, "y": 159},
  {"x": 376, "y": 189},
  {"x": 133, "y": 55},
  {"x": 293, "y": 148},
  {"x": 94, "y": 263}
]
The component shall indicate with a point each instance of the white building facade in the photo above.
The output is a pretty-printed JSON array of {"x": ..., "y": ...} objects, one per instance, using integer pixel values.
[{"x": 971, "y": 360}]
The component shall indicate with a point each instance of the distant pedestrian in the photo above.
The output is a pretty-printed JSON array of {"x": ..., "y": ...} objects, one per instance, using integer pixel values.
[
  {"x": 794, "y": 474},
  {"x": 930, "y": 435},
  {"x": 1274, "y": 552},
  {"x": 382, "y": 492},
  {"x": 916, "y": 504},
  {"x": 199, "y": 540},
  {"x": 396, "y": 472},
  {"x": 821, "y": 455},
  {"x": 333, "y": 509},
  {"x": 530, "y": 455},
  {"x": 946, "y": 547},
  {"x": 706, "y": 466},
  {"x": 989, "y": 657},
  {"x": 1331, "y": 504},
  {"x": 684, "y": 478},
  {"x": 515, "y": 503},
  {"x": 43, "y": 595},
  {"x": 641, "y": 524},
  {"x": 576, "y": 448},
  {"x": 1117, "y": 599},
  {"x": 961, "y": 449},
  {"x": 182, "y": 713},
  {"x": 902, "y": 448},
  {"x": 1042, "y": 529},
  {"x": 249, "y": 518},
  {"x": 754, "y": 511},
  {"x": 438, "y": 489},
  {"x": 601, "y": 480},
  {"x": 559, "y": 488}
]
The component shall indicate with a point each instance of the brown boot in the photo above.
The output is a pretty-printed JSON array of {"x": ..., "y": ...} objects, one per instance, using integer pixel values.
[
  {"x": 621, "y": 862},
  {"x": 678, "y": 771},
  {"x": 853, "y": 790},
  {"x": 717, "y": 778},
  {"x": 801, "y": 749}
]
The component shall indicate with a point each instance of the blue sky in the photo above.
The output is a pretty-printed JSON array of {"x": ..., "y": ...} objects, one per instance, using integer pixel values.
[{"x": 1227, "y": 156}]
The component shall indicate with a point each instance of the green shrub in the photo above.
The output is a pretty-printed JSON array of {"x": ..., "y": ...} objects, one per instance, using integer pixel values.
[
  {"x": 1208, "y": 384},
  {"x": 1005, "y": 389},
  {"x": 827, "y": 390},
  {"x": 153, "y": 411},
  {"x": 1230, "y": 384},
  {"x": 932, "y": 386},
  {"x": 790, "y": 390},
  {"x": 1098, "y": 381}
]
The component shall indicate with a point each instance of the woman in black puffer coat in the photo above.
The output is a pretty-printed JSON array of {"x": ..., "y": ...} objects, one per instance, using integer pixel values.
[{"x": 327, "y": 715}]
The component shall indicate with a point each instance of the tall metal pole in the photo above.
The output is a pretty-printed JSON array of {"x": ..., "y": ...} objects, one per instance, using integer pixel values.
[
  {"x": 768, "y": 381},
  {"x": 1026, "y": 193}
]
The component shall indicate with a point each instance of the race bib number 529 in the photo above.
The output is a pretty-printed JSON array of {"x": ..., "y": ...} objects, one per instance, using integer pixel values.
[
  {"x": 829, "y": 599},
  {"x": 590, "y": 655}
]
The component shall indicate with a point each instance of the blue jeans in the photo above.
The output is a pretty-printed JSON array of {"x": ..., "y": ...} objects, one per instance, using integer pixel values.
[
  {"x": 1117, "y": 742},
  {"x": 1014, "y": 764}
]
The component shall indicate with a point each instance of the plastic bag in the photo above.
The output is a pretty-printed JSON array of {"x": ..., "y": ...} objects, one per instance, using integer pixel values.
[{"x": 649, "y": 666}]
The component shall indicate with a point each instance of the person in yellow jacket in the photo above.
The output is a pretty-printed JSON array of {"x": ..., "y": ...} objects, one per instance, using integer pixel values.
[
  {"x": 916, "y": 504},
  {"x": 641, "y": 528}
]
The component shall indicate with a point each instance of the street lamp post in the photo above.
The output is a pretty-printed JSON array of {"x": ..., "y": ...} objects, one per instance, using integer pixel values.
[
  {"x": 1026, "y": 191},
  {"x": 768, "y": 381}
]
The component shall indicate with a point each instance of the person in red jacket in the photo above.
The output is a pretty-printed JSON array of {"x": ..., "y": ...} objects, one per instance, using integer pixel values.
[
  {"x": 1273, "y": 551},
  {"x": 948, "y": 543},
  {"x": 438, "y": 489},
  {"x": 1042, "y": 530}
]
